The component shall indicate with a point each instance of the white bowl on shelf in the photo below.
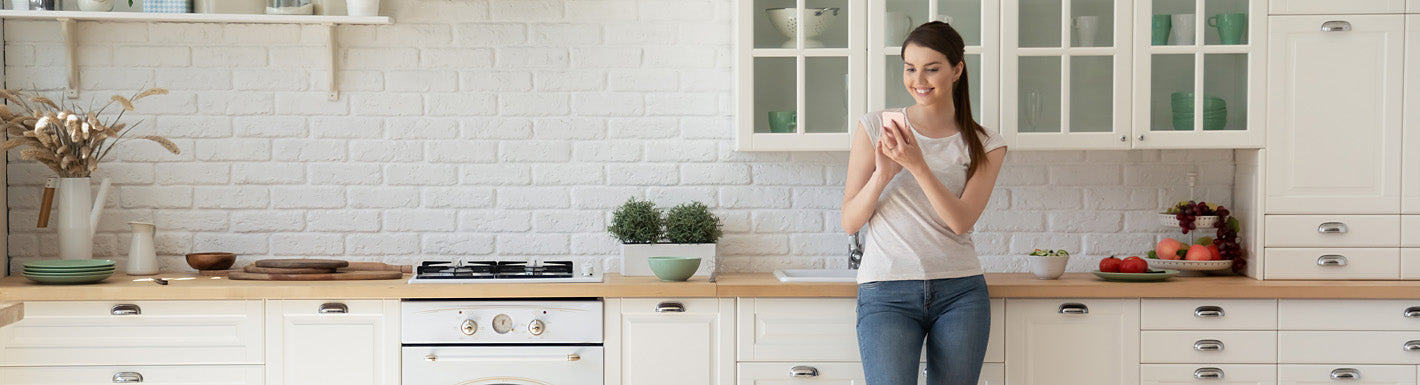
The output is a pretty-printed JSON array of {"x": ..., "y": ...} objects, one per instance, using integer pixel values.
[
  {"x": 816, "y": 20},
  {"x": 1200, "y": 222}
]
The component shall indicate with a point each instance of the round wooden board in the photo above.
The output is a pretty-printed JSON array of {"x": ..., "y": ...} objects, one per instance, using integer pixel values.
[
  {"x": 286, "y": 270},
  {"x": 344, "y": 275},
  {"x": 302, "y": 263}
]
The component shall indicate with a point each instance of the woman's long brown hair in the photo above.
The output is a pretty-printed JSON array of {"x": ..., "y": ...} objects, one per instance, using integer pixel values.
[{"x": 941, "y": 37}]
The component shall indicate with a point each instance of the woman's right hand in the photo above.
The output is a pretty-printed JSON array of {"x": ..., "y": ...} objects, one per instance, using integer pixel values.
[{"x": 885, "y": 165}]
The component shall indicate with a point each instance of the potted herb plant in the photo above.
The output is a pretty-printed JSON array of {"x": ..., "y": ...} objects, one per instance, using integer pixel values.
[{"x": 686, "y": 230}]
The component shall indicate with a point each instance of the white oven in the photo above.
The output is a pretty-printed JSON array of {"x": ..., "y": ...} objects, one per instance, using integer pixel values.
[{"x": 493, "y": 342}]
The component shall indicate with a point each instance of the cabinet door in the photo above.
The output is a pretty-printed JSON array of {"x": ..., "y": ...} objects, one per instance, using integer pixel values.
[
  {"x": 689, "y": 341},
  {"x": 334, "y": 342},
  {"x": 1410, "y": 167},
  {"x": 1179, "y": 374},
  {"x": 1205, "y": 58},
  {"x": 795, "y": 373},
  {"x": 978, "y": 21},
  {"x": 1345, "y": 374},
  {"x": 1334, "y": 114},
  {"x": 160, "y": 375},
  {"x": 1066, "y": 74},
  {"x": 1066, "y": 342},
  {"x": 800, "y": 84}
]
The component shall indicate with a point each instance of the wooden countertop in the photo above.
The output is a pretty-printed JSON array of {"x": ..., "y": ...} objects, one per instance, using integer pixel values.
[
  {"x": 1012, "y": 285},
  {"x": 11, "y": 312}
]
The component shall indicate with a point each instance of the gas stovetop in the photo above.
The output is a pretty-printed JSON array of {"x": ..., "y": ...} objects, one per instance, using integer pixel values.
[{"x": 504, "y": 272}]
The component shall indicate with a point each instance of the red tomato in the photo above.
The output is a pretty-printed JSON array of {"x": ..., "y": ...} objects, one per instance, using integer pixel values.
[
  {"x": 1133, "y": 265},
  {"x": 1110, "y": 265}
]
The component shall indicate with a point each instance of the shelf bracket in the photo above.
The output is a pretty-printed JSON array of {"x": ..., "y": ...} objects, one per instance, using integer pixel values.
[
  {"x": 70, "y": 30},
  {"x": 334, "y": 46}
]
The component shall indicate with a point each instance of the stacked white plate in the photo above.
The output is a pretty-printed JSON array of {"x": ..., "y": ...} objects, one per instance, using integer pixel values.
[{"x": 69, "y": 271}]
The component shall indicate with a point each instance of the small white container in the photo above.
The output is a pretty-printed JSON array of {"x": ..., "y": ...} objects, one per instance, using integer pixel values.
[
  {"x": 246, "y": 7},
  {"x": 19, "y": 5},
  {"x": 1048, "y": 266},
  {"x": 363, "y": 7},
  {"x": 142, "y": 253}
]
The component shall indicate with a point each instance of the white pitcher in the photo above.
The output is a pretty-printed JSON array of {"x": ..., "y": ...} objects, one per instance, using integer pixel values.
[
  {"x": 142, "y": 255},
  {"x": 78, "y": 217}
]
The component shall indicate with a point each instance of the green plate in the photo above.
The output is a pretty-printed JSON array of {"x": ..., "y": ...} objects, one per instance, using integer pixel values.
[
  {"x": 71, "y": 263},
  {"x": 1155, "y": 276},
  {"x": 74, "y": 274},
  {"x": 68, "y": 280},
  {"x": 74, "y": 270}
]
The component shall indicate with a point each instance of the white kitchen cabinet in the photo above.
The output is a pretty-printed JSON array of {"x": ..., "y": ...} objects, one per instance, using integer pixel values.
[
  {"x": 1345, "y": 374},
  {"x": 334, "y": 342},
  {"x": 1333, "y": 7},
  {"x": 1179, "y": 374},
  {"x": 1410, "y": 166},
  {"x": 66, "y": 333},
  {"x": 978, "y": 21},
  {"x": 659, "y": 341},
  {"x": 1065, "y": 342},
  {"x": 821, "y": 329},
  {"x": 837, "y": 373},
  {"x": 161, "y": 375},
  {"x": 1334, "y": 114}
]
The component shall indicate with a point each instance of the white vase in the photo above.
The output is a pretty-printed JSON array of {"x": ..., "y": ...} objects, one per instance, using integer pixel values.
[
  {"x": 142, "y": 254},
  {"x": 77, "y": 217},
  {"x": 95, "y": 5},
  {"x": 363, "y": 7}
]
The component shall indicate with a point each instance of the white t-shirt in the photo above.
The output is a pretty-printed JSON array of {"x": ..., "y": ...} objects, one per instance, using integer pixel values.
[{"x": 905, "y": 239}]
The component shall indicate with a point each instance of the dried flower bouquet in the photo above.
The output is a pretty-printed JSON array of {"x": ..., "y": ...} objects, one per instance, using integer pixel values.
[{"x": 69, "y": 139}]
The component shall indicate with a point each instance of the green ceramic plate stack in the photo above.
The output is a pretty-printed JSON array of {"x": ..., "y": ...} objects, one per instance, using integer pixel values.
[{"x": 69, "y": 271}]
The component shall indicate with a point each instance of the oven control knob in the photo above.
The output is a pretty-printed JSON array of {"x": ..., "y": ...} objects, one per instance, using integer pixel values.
[
  {"x": 502, "y": 324},
  {"x": 536, "y": 327},
  {"x": 468, "y": 327}
]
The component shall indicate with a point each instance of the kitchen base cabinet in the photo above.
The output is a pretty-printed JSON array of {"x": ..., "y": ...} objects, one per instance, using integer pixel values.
[
  {"x": 332, "y": 342},
  {"x": 837, "y": 373},
  {"x": 157, "y": 375},
  {"x": 1067, "y": 342},
  {"x": 62, "y": 333},
  {"x": 1179, "y": 374},
  {"x": 670, "y": 341},
  {"x": 1345, "y": 374}
]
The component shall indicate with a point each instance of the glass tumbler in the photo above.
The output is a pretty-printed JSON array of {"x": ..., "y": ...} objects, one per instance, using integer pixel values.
[{"x": 289, "y": 7}]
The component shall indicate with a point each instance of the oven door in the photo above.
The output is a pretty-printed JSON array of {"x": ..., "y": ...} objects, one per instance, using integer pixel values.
[{"x": 502, "y": 365}]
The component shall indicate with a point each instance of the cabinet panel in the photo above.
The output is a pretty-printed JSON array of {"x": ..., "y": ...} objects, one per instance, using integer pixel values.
[
  {"x": 784, "y": 329},
  {"x": 1410, "y": 263},
  {"x": 1333, "y": 7},
  {"x": 134, "y": 333},
  {"x": 691, "y": 345},
  {"x": 782, "y": 373},
  {"x": 1354, "y": 347},
  {"x": 1410, "y": 164},
  {"x": 162, "y": 375},
  {"x": 1364, "y": 374},
  {"x": 1332, "y": 263},
  {"x": 1213, "y": 346},
  {"x": 1332, "y": 231},
  {"x": 1199, "y": 314},
  {"x": 1324, "y": 314},
  {"x": 1064, "y": 342},
  {"x": 310, "y": 342},
  {"x": 1330, "y": 155},
  {"x": 1410, "y": 225},
  {"x": 1231, "y": 374}
]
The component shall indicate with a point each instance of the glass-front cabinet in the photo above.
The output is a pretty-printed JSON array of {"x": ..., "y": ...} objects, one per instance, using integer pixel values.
[
  {"x": 1066, "y": 65},
  {"x": 799, "y": 82},
  {"x": 978, "y": 21},
  {"x": 1199, "y": 58}
]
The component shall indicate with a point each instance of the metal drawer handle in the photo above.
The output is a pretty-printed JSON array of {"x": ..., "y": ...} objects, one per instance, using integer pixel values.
[
  {"x": 803, "y": 371},
  {"x": 334, "y": 308},
  {"x": 1345, "y": 374},
  {"x": 1208, "y": 374},
  {"x": 1412, "y": 345},
  {"x": 1412, "y": 312},
  {"x": 1332, "y": 228},
  {"x": 1074, "y": 308},
  {"x": 125, "y": 377},
  {"x": 1336, "y": 26},
  {"x": 673, "y": 307},
  {"x": 1208, "y": 312},
  {"x": 1331, "y": 260},
  {"x": 1208, "y": 345},
  {"x": 126, "y": 309},
  {"x": 552, "y": 358}
]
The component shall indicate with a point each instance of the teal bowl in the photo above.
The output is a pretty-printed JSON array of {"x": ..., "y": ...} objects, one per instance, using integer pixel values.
[{"x": 675, "y": 269}]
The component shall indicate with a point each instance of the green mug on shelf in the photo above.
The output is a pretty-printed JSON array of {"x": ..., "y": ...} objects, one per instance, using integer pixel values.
[
  {"x": 1163, "y": 24},
  {"x": 783, "y": 122},
  {"x": 1230, "y": 27}
]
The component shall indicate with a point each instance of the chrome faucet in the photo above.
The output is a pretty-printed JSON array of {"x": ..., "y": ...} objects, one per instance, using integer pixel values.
[{"x": 855, "y": 251}]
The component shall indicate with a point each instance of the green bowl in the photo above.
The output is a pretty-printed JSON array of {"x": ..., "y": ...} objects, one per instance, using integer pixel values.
[{"x": 675, "y": 269}]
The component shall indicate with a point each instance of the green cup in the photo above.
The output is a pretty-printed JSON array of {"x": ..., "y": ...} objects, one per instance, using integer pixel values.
[
  {"x": 783, "y": 122},
  {"x": 1230, "y": 27},
  {"x": 1162, "y": 25}
]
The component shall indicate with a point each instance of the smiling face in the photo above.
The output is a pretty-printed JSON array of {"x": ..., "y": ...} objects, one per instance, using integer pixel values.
[{"x": 928, "y": 75}]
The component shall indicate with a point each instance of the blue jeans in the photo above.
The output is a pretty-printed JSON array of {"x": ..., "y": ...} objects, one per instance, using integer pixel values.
[{"x": 952, "y": 315}]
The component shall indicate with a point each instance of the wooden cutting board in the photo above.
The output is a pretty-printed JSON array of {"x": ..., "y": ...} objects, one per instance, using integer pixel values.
[
  {"x": 302, "y": 263},
  {"x": 343, "y": 275},
  {"x": 286, "y": 270}
]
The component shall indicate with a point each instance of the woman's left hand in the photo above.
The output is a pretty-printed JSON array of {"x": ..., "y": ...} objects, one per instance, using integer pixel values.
[{"x": 900, "y": 145}]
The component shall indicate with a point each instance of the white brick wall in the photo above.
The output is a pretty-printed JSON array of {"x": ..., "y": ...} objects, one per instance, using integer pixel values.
[{"x": 506, "y": 128}]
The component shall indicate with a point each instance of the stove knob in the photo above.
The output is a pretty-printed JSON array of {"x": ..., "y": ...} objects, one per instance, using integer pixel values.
[
  {"x": 468, "y": 327},
  {"x": 536, "y": 327}
]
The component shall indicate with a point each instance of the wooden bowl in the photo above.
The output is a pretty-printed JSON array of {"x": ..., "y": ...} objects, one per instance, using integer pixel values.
[{"x": 211, "y": 261}]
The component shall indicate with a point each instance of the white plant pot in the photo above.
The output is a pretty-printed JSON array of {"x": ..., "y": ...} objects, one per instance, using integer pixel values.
[
  {"x": 96, "y": 5},
  {"x": 363, "y": 7},
  {"x": 635, "y": 257}
]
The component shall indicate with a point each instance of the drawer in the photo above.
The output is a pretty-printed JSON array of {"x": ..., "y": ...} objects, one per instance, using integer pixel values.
[
  {"x": 1173, "y": 374},
  {"x": 1208, "y": 314},
  {"x": 1332, "y": 263},
  {"x": 1410, "y": 231},
  {"x": 1323, "y": 314},
  {"x": 1334, "y": 7},
  {"x": 791, "y": 329},
  {"x": 134, "y": 333},
  {"x": 1348, "y": 347},
  {"x": 169, "y": 375},
  {"x": 1322, "y": 374},
  {"x": 1332, "y": 231},
  {"x": 839, "y": 373},
  {"x": 1186, "y": 347}
]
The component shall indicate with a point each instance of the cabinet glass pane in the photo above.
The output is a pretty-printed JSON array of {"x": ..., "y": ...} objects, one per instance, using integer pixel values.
[
  {"x": 774, "y": 92},
  {"x": 964, "y": 15},
  {"x": 826, "y": 24},
  {"x": 894, "y": 92},
  {"x": 1226, "y": 23},
  {"x": 1225, "y": 78},
  {"x": 1173, "y": 22},
  {"x": 1092, "y": 23},
  {"x": 1171, "y": 78},
  {"x": 1040, "y": 23},
  {"x": 901, "y": 17},
  {"x": 1091, "y": 94},
  {"x": 1039, "y": 105},
  {"x": 973, "y": 76},
  {"x": 826, "y": 93},
  {"x": 774, "y": 23}
]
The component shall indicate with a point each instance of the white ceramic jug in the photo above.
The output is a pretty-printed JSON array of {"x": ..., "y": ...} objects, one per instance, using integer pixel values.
[
  {"x": 78, "y": 217},
  {"x": 142, "y": 254}
]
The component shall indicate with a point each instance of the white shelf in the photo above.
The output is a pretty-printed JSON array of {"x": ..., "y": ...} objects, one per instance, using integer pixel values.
[{"x": 194, "y": 17}]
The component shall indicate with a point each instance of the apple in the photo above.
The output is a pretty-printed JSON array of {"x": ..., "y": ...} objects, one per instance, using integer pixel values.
[
  {"x": 1213, "y": 249},
  {"x": 1133, "y": 265},
  {"x": 1198, "y": 253},
  {"x": 1170, "y": 248},
  {"x": 1110, "y": 265}
]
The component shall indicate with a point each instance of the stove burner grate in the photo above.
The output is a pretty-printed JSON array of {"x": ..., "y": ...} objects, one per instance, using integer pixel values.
[{"x": 492, "y": 270}]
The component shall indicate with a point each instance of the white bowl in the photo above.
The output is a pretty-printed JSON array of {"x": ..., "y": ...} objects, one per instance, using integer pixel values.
[
  {"x": 786, "y": 21},
  {"x": 1179, "y": 264},
  {"x": 1200, "y": 222},
  {"x": 1048, "y": 266}
]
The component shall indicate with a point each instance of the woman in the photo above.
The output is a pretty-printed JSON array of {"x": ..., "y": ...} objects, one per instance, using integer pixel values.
[{"x": 920, "y": 277}]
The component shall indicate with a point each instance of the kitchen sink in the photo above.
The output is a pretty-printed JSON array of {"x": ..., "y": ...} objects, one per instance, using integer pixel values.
[{"x": 816, "y": 275}]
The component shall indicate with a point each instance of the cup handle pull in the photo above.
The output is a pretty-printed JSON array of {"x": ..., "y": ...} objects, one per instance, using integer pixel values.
[{"x": 1336, "y": 26}]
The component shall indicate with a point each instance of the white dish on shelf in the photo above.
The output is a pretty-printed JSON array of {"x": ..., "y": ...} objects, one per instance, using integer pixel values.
[
  {"x": 1199, "y": 222},
  {"x": 1180, "y": 264}
]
